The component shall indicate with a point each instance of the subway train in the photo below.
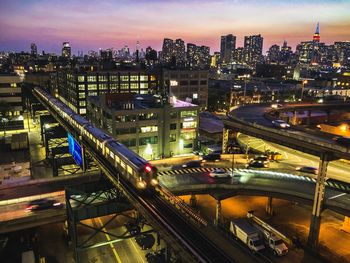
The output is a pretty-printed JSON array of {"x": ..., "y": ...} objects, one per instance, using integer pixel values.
[{"x": 132, "y": 167}]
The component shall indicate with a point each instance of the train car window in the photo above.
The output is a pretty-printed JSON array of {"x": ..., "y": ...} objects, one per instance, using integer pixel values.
[
  {"x": 107, "y": 150},
  {"x": 111, "y": 154},
  {"x": 122, "y": 164},
  {"x": 117, "y": 159},
  {"x": 129, "y": 169}
]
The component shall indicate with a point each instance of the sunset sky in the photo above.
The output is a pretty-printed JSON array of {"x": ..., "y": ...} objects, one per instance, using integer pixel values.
[{"x": 94, "y": 24}]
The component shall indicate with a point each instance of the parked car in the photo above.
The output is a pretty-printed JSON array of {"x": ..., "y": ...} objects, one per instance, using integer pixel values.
[
  {"x": 133, "y": 228},
  {"x": 307, "y": 169},
  {"x": 280, "y": 124},
  {"x": 145, "y": 241},
  {"x": 211, "y": 157},
  {"x": 192, "y": 164},
  {"x": 220, "y": 173},
  {"x": 42, "y": 204},
  {"x": 276, "y": 106}
]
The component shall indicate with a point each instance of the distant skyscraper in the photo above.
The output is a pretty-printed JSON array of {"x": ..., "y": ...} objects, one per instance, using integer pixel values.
[
  {"x": 274, "y": 54},
  {"x": 253, "y": 47},
  {"x": 66, "y": 50},
  {"x": 33, "y": 50},
  {"x": 198, "y": 57},
  {"x": 286, "y": 53},
  {"x": 167, "y": 51},
  {"x": 227, "y": 47},
  {"x": 179, "y": 52},
  {"x": 317, "y": 36}
]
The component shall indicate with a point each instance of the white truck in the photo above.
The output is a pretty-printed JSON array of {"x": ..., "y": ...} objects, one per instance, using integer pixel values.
[
  {"x": 271, "y": 236},
  {"x": 248, "y": 234}
]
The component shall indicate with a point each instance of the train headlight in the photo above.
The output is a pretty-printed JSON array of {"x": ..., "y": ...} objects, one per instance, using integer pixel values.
[
  {"x": 154, "y": 182},
  {"x": 141, "y": 184}
]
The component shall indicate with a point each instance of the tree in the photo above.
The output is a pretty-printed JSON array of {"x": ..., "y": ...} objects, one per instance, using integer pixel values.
[{"x": 4, "y": 109}]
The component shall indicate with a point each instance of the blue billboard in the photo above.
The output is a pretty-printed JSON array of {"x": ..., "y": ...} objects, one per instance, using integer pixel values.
[{"x": 75, "y": 150}]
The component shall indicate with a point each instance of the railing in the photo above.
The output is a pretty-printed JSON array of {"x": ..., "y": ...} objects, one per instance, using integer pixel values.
[{"x": 242, "y": 124}]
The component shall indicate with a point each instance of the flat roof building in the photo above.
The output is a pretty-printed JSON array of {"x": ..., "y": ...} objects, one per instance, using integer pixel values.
[{"x": 145, "y": 124}]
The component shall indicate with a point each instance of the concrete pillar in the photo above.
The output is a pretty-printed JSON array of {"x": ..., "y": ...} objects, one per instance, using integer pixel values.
[
  {"x": 218, "y": 212},
  {"x": 308, "y": 117},
  {"x": 193, "y": 200},
  {"x": 269, "y": 208},
  {"x": 83, "y": 157},
  {"x": 346, "y": 224},
  {"x": 294, "y": 118},
  {"x": 225, "y": 133},
  {"x": 317, "y": 208}
]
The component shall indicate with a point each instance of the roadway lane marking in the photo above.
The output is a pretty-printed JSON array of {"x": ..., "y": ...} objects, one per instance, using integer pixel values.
[
  {"x": 339, "y": 195},
  {"x": 109, "y": 239}
]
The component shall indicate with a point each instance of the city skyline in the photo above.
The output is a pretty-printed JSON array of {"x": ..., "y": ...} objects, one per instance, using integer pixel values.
[{"x": 94, "y": 25}]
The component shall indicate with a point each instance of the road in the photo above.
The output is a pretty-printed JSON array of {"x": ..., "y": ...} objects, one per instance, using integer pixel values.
[{"x": 338, "y": 169}]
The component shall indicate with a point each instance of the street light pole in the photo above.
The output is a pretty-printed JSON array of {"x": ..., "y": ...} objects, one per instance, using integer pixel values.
[{"x": 302, "y": 89}]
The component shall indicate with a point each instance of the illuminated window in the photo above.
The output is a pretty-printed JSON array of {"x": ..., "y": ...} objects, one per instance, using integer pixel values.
[
  {"x": 81, "y": 86},
  {"x": 91, "y": 78},
  {"x": 124, "y": 78},
  {"x": 188, "y": 135},
  {"x": 143, "y": 85},
  {"x": 148, "y": 116},
  {"x": 102, "y": 86},
  {"x": 82, "y": 95},
  {"x": 81, "y": 79},
  {"x": 134, "y": 78},
  {"x": 124, "y": 86},
  {"x": 188, "y": 113},
  {"x": 82, "y": 111},
  {"x": 172, "y": 138},
  {"x": 82, "y": 103},
  {"x": 134, "y": 86},
  {"x": 113, "y": 78},
  {"x": 143, "y": 78},
  {"x": 102, "y": 78},
  {"x": 13, "y": 85},
  {"x": 92, "y": 87},
  {"x": 148, "y": 129},
  {"x": 153, "y": 78},
  {"x": 188, "y": 125}
]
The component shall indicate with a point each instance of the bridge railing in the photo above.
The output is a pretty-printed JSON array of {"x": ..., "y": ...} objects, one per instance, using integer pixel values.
[{"x": 330, "y": 146}]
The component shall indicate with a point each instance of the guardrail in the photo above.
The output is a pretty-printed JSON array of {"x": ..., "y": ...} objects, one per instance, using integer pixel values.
[
  {"x": 329, "y": 146},
  {"x": 182, "y": 206}
]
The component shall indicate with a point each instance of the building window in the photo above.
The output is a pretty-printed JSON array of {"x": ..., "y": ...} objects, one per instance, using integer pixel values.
[
  {"x": 102, "y": 78},
  {"x": 188, "y": 125},
  {"x": 82, "y": 103},
  {"x": 113, "y": 78},
  {"x": 129, "y": 142},
  {"x": 81, "y": 79},
  {"x": 149, "y": 129},
  {"x": 120, "y": 131},
  {"x": 124, "y": 86},
  {"x": 81, "y": 95},
  {"x": 190, "y": 113},
  {"x": 92, "y": 87},
  {"x": 81, "y": 86},
  {"x": 102, "y": 86},
  {"x": 148, "y": 116},
  {"x": 188, "y": 135},
  {"x": 134, "y": 78},
  {"x": 91, "y": 78},
  {"x": 183, "y": 83},
  {"x": 148, "y": 140},
  {"x": 173, "y": 115},
  {"x": 188, "y": 145},
  {"x": 125, "y": 118},
  {"x": 194, "y": 82},
  {"x": 172, "y": 138},
  {"x": 143, "y": 78},
  {"x": 172, "y": 126},
  {"x": 124, "y": 78},
  {"x": 134, "y": 86}
]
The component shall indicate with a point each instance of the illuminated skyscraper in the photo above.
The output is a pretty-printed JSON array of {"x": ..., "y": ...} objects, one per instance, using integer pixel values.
[
  {"x": 227, "y": 47},
  {"x": 253, "y": 46},
  {"x": 317, "y": 36},
  {"x": 66, "y": 50}
]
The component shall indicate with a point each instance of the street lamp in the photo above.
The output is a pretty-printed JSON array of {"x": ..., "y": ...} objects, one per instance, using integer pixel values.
[{"x": 302, "y": 89}]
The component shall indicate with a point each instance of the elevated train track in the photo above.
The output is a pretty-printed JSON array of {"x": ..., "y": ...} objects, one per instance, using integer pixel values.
[{"x": 185, "y": 236}]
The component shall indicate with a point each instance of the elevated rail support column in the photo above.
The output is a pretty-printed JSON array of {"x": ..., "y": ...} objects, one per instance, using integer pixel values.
[
  {"x": 225, "y": 135},
  {"x": 294, "y": 117},
  {"x": 315, "y": 224},
  {"x": 193, "y": 200},
  {"x": 269, "y": 208},
  {"x": 308, "y": 118},
  {"x": 83, "y": 156},
  {"x": 218, "y": 213}
]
